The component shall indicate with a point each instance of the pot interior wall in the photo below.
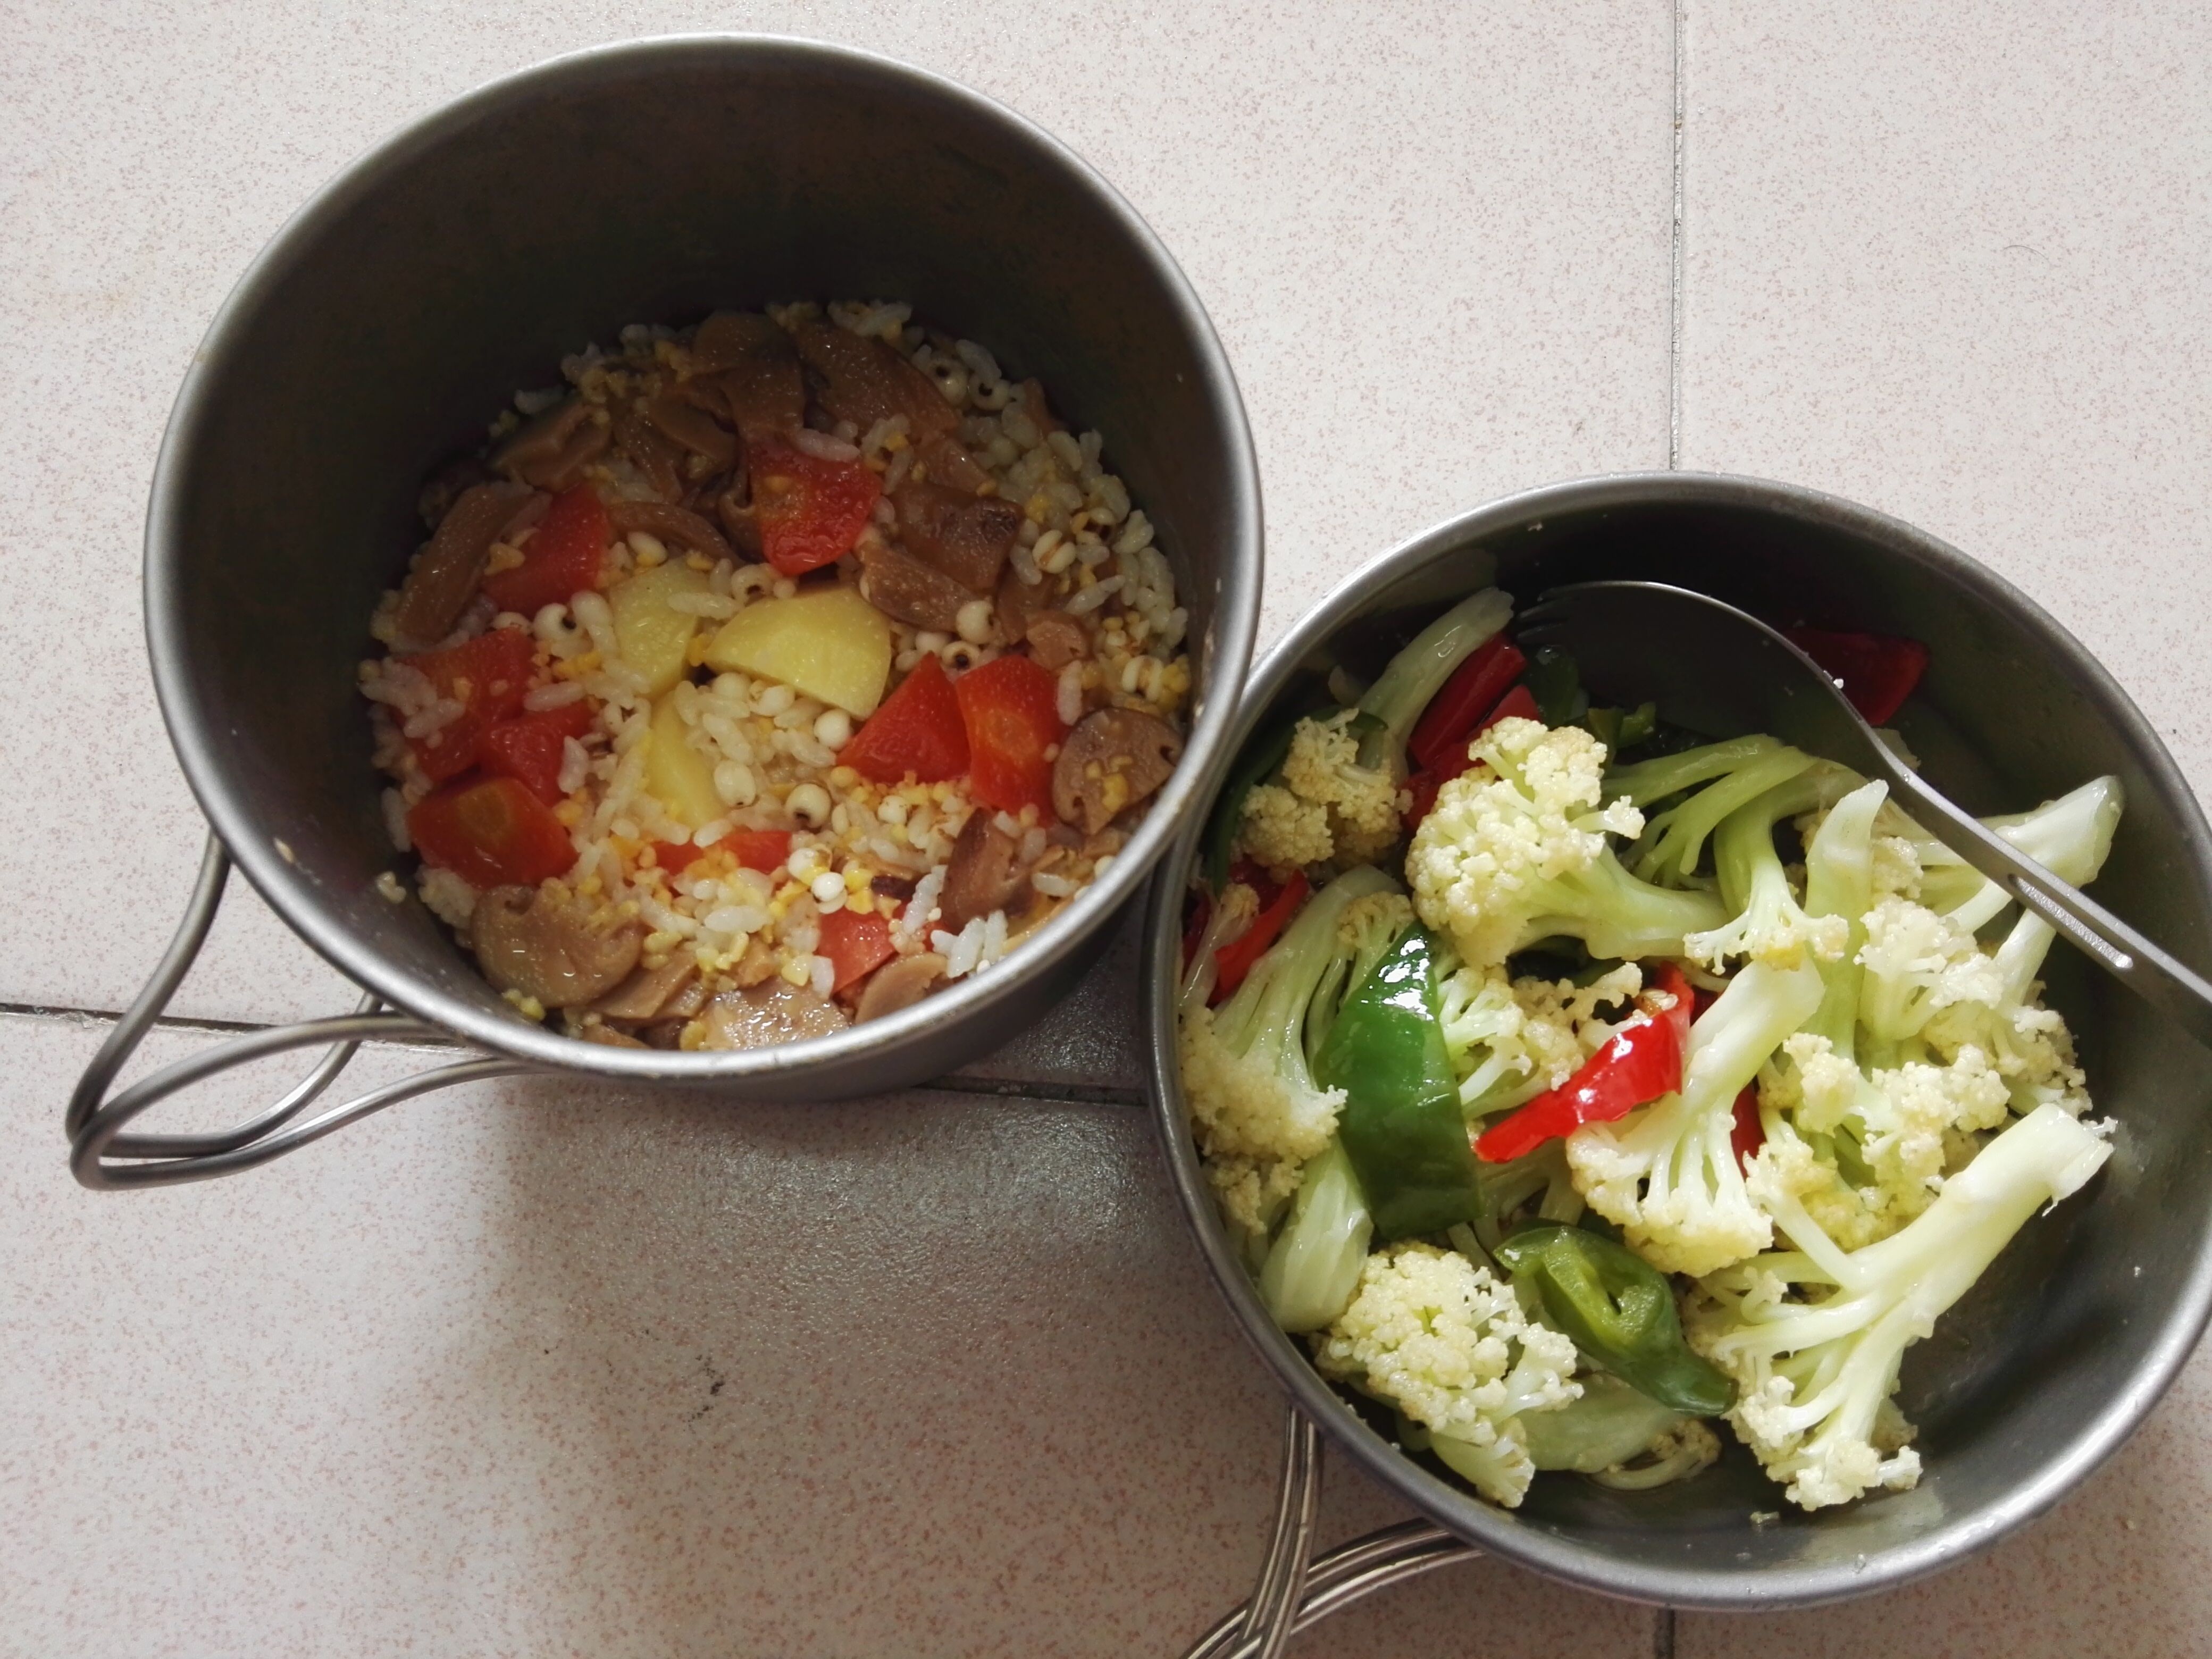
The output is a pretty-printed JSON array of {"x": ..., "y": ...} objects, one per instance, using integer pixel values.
[
  {"x": 402, "y": 312},
  {"x": 2021, "y": 1372}
]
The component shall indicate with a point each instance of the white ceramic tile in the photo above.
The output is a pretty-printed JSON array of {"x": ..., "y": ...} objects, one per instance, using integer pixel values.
[
  {"x": 548, "y": 1369},
  {"x": 1950, "y": 261},
  {"x": 1434, "y": 238},
  {"x": 2122, "y": 1569}
]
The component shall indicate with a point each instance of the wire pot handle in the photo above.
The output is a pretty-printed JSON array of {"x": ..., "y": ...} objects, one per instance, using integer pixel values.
[
  {"x": 104, "y": 1156},
  {"x": 1297, "y": 1590}
]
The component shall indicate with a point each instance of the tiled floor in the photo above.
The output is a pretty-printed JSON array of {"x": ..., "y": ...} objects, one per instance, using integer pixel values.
[{"x": 525, "y": 1370}]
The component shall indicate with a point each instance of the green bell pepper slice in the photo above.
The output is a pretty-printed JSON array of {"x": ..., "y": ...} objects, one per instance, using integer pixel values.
[
  {"x": 1619, "y": 1309},
  {"x": 1400, "y": 1122}
]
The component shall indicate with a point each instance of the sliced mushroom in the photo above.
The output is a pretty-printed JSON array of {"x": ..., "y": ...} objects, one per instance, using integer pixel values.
[
  {"x": 899, "y": 983},
  {"x": 966, "y": 536},
  {"x": 447, "y": 572},
  {"x": 985, "y": 873},
  {"x": 733, "y": 506},
  {"x": 671, "y": 523},
  {"x": 677, "y": 420},
  {"x": 648, "y": 993},
  {"x": 902, "y": 587},
  {"x": 1014, "y": 603},
  {"x": 861, "y": 379},
  {"x": 660, "y": 459},
  {"x": 756, "y": 370},
  {"x": 1113, "y": 759},
  {"x": 1055, "y": 639},
  {"x": 610, "y": 1036},
  {"x": 552, "y": 449},
  {"x": 547, "y": 945},
  {"x": 435, "y": 499},
  {"x": 775, "y": 1011}
]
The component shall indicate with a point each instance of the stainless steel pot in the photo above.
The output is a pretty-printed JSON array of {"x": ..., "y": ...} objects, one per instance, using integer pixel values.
[
  {"x": 374, "y": 337},
  {"x": 2058, "y": 1354}
]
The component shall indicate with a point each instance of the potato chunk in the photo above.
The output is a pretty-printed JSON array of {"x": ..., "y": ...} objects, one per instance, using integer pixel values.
[
  {"x": 653, "y": 636},
  {"x": 831, "y": 644},
  {"x": 676, "y": 774}
]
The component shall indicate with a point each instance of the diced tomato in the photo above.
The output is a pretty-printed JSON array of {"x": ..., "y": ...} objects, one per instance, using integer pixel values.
[
  {"x": 1236, "y": 958},
  {"x": 1012, "y": 710},
  {"x": 488, "y": 676},
  {"x": 1518, "y": 704},
  {"x": 1878, "y": 672},
  {"x": 764, "y": 850},
  {"x": 562, "y": 559},
  {"x": 919, "y": 729},
  {"x": 1749, "y": 1134},
  {"x": 811, "y": 510},
  {"x": 1438, "y": 743},
  {"x": 856, "y": 944},
  {"x": 531, "y": 748},
  {"x": 491, "y": 832}
]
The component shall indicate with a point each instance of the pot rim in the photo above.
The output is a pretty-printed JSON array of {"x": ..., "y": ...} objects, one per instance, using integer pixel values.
[
  {"x": 194, "y": 727},
  {"x": 1551, "y": 1554}
]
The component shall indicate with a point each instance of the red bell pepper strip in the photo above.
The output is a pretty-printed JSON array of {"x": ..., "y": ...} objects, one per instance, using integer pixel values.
[
  {"x": 1235, "y": 959},
  {"x": 1748, "y": 1133},
  {"x": 1438, "y": 743},
  {"x": 811, "y": 510},
  {"x": 491, "y": 832},
  {"x": 1518, "y": 704},
  {"x": 531, "y": 748},
  {"x": 1878, "y": 672},
  {"x": 1642, "y": 1061},
  {"x": 856, "y": 944},
  {"x": 1011, "y": 707},
  {"x": 918, "y": 730},
  {"x": 1423, "y": 786},
  {"x": 488, "y": 676},
  {"x": 562, "y": 559}
]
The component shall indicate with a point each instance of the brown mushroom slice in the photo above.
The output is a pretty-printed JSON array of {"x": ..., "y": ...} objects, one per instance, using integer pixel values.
[
  {"x": 610, "y": 1038},
  {"x": 446, "y": 575},
  {"x": 863, "y": 380},
  {"x": 985, "y": 873},
  {"x": 734, "y": 508},
  {"x": 647, "y": 992},
  {"x": 545, "y": 944},
  {"x": 551, "y": 449},
  {"x": 755, "y": 368},
  {"x": 899, "y": 983},
  {"x": 671, "y": 523},
  {"x": 1113, "y": 759},
  {"x": 697, "y": 431},
  {"x": 965, "y": 535},
  {"x": 775, "y": 1011},
  {"x": 1056, "y": 640},
  {"x": 660, "y": 459},
  {"x": 1035, "y": 406},
  {"x": 902, "y": 587}
]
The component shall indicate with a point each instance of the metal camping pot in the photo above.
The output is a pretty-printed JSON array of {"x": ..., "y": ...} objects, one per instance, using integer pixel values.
[
  {"x": 651, "y": 181},
  {"x": 2059, "y": 1351}
]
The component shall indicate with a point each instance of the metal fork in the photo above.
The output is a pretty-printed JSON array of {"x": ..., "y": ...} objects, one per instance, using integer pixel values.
[{"x": 1718, "y": 671}]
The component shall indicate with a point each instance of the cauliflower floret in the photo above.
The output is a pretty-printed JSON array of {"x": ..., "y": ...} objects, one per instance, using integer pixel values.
[
  {"x": 2027, "y": 1043},
  {"x": 1918, "y": 962},
  {"x": 1515, "y": 850},
  {"x": 1509, "y": 1040},
  {"x": 1449, "y": 1346},
  {"x": 1282, "y": 830},
  {"x": 1361, "y": 802},
  {"x": 1257, "y": 1128}
]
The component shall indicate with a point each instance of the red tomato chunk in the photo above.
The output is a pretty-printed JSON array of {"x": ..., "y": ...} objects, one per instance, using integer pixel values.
[
  {"x": 562, "y": 559},
  {"x": 1011, "y": 709},
  {"x": 918, "y": 730},
  {"x": 811, "y": 511},
  {"x": 491, "y": 832},
  {"x": 488, "y": 676},
  {"x": 856, "y": 943},
  {"x": 530, "y": 749}
]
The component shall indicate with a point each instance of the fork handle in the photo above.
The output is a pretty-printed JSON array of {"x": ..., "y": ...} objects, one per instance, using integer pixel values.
[{"x": 2150, "y": 972}]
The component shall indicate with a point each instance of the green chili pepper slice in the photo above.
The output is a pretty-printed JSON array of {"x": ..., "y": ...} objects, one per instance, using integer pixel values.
[
  {"x": 1619, "y": 1309},
  {"x": 1400, "y": 1122}
]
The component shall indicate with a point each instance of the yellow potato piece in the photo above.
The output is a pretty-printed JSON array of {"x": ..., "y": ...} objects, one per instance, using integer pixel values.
[
  {"x": 831, "y": 644},
  {"x": 676, "y": 774},
  {"x": 652, "y": 637}
]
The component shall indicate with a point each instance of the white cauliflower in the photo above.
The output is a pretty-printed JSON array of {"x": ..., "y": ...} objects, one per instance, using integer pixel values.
[
  {"x": 1516, "y": 851},
  {"x": 1361, "y": 802},
  {"x": 1438, "y": 1338},
  {"x": 1285, "y": 831},
  {"x": 1509, "y": 1040}
]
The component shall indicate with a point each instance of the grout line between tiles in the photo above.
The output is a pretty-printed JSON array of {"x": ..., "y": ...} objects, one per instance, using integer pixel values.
[
  {"x": 1039, "y": 1088},
  {"x": 1674, "y": 264},
  {"x": 1663, "y": 1633}
]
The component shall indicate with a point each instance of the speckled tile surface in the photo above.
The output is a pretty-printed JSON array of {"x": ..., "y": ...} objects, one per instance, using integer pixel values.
[
  {"x": 539, "y": 1370},
  {"x": 531, "y": 1371},
  {"x": 1414, "y": 219}
]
